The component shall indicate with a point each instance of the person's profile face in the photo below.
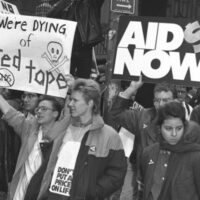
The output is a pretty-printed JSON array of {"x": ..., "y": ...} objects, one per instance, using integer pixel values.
[
  {"x": 78, "y": 106},
  {"x": 162, "y": 97},
  {"x": 172, "y": 130}
]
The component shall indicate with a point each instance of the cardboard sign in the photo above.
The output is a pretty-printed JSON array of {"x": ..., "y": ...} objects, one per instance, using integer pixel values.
[
  {"x": 35, "y": 53},
  {"x": 159, "y": 49},
  {"x": 8, "y": 8}
]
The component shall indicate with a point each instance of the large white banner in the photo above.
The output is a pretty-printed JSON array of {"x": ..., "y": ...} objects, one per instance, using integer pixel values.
[
  {"x": 158, "y": 49},
  {"x": 35, "y": 53}
]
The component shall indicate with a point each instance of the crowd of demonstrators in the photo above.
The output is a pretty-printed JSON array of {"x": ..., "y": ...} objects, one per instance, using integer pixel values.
[
  {"x": 72, "y": 141},
  {"x": 88, "y": 33},
  {"x": 78, "y": 141},
  {"x": 67, "y": 152},
  {"x": 170, "y": 167},
  {"x": 91, "y": 150},
  {"x": 143, "y": 124}
]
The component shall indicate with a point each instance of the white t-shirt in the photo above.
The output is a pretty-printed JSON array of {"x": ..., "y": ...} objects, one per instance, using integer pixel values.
[{"x": 30, "y": 167}]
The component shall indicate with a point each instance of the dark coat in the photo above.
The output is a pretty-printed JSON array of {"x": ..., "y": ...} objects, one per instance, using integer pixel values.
[
  {"x": 87, "y": 16},
  {"x": 195, "y": 115},
  {"x": 101, "y": 164},
  {"x": 138, "y": 122},
  {"x": 9, "y": 149},
  {"x": 186, "y": 183}
]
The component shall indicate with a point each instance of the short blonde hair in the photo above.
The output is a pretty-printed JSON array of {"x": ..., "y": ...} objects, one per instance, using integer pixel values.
[{"x": 90, "y": 90}]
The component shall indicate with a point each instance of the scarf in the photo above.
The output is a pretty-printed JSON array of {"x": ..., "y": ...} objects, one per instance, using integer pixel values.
[{"x": 185, "y": 145}]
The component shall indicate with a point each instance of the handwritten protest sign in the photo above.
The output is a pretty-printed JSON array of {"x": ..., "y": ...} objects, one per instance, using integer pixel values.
[
  {"x": 159, "y": 49},
  {"x": 35, "y": 53},
  {"x": 7, "y": 8}
]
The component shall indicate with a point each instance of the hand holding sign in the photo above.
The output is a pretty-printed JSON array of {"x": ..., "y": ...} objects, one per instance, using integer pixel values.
[
  {"x": 69, "y": 80},
  {"x": 133, "y": 88}
]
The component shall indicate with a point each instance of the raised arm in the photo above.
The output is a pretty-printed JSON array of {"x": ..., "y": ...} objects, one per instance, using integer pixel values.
[
  {"x": 131, "y": 91},
  {"x": 4, "y": 105},
  {"x": 14, "y": 118},
  {"x": 120, "y": 112}
]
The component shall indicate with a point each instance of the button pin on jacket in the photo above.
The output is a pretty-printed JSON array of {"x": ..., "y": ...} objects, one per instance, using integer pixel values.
[
  {"x": 93, "y": 148},
  {"x": 151, "y": 162},
  {"x": 144, "y": 125}
]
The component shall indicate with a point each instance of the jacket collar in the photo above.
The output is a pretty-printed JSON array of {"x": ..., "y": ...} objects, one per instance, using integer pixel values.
[{"x": 96, "y": 122}]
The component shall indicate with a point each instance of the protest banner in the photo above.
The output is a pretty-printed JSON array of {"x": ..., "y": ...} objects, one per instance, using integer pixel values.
[
  {"x": 159, "y": 49},
  {"x": 8, "y": 8},
  {"x": 35, "y": 53}
]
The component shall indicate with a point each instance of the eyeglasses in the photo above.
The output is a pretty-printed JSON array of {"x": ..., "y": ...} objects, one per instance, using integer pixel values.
[
  {"x": 164, "y": 100},
  {"x": 42, "y": 109},
  {"x": 28, "y": 96}
]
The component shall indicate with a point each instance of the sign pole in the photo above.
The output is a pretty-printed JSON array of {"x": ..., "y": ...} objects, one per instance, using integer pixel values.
[{"x": 117, "y": 8}]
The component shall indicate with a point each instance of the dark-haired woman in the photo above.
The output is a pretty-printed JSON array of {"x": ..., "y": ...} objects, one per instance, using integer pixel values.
[{"x": 170, "y": 169}]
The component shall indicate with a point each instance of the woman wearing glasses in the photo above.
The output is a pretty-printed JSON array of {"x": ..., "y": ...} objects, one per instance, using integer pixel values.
[
  {"x": 170, "y": 168},
  {"x": 38, "y": 137}
]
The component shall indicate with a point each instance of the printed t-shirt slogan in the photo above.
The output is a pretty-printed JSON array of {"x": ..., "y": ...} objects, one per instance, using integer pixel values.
[
  {"x": 63, "y": 172},
  {"x": 35, "y": 53},
  {"x": 159, "y": 49}
]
